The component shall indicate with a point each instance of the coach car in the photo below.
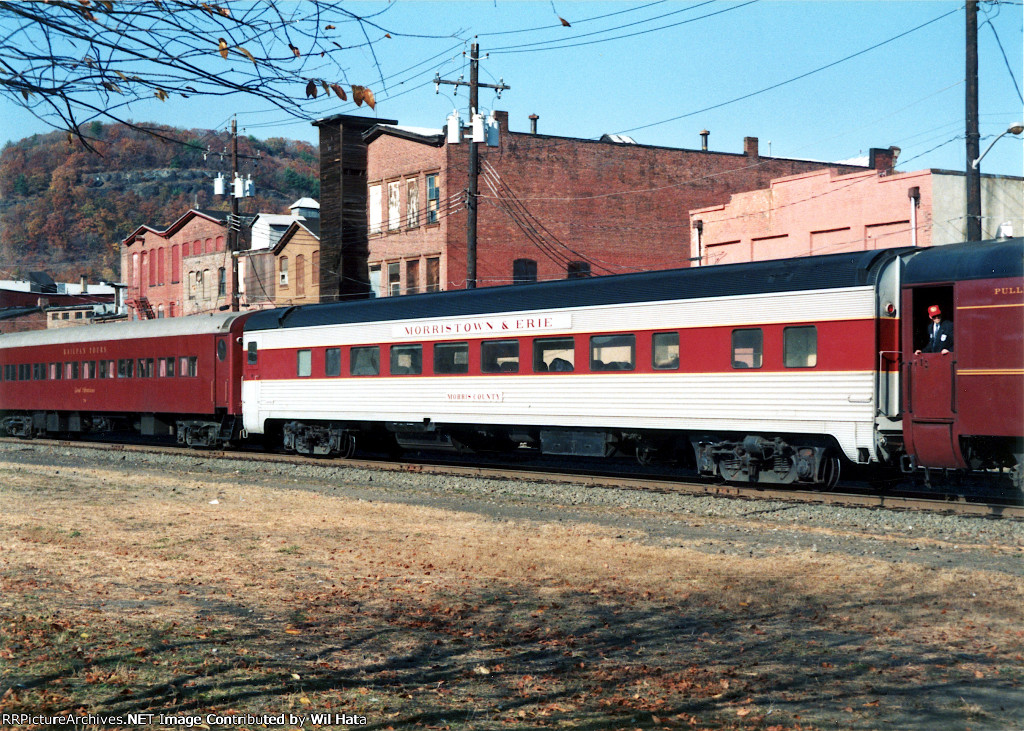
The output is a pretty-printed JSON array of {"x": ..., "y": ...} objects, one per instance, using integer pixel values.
[
  {"x": 177, "y": 375},
  {"x": 767, "y": 371}
]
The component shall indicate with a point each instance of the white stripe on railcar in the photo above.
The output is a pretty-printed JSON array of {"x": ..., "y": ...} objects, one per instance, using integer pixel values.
[{"x": 837, "y": 403}]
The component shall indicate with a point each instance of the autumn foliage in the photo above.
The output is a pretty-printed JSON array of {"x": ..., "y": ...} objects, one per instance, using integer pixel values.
[{"x": 65, "y": 210}]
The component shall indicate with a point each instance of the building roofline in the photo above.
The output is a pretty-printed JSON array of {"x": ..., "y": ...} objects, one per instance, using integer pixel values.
[
  {"x": 289, "y": 234},
  {"x": 376, "y": 131},
  {"x": 352, "y": 119},
  {"x": 213, "y": 216}
]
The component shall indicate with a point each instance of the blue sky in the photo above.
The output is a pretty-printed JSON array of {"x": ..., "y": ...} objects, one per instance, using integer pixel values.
[{"x": 847, "y": 76}]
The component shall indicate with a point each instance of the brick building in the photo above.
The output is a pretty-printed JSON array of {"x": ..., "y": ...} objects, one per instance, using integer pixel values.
[
  {"x": 183, "y": 269},
  {"x": 550, "y": 207},
  {"x": 822, "y": 212}
]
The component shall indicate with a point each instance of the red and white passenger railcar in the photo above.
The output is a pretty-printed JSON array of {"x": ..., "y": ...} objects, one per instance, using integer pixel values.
[
  {"x": 767, "y": 371},
  {"x": 178, "y": 374}
]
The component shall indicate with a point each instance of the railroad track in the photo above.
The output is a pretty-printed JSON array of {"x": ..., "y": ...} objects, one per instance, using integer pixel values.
[{"x": 587, "y": 478}]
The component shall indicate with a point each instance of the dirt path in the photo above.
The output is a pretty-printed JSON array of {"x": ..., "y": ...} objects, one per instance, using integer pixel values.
[{"x": 178, "y": 592}]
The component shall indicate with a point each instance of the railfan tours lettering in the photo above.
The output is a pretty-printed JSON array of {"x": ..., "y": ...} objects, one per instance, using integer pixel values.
[{"x": 482, "y": 326}]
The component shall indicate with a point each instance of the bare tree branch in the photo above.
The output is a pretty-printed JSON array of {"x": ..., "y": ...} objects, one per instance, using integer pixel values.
[{"x": 69, "y": 62}]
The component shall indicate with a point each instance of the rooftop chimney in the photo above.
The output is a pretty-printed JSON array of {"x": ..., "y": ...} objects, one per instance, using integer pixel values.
[
  {"x": 750, "y": 146},
  {"x": 704, "y": 140},
  {"x": 85, "y": 285},
  {"x": 533, "y": 124}
]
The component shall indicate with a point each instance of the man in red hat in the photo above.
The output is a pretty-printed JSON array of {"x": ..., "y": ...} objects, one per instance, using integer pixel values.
[{"x": 940, "y": 333}]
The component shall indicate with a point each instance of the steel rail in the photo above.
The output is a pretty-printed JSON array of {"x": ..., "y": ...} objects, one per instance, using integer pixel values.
[{"x": 948, "y": 506}]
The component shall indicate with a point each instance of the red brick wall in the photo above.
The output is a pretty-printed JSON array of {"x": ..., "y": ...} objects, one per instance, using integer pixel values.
[
  {"x": 622, "y": 208},
  {"x": 169, "y": 290}
]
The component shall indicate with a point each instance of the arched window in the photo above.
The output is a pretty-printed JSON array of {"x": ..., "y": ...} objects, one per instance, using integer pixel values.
[
  {"x": 220, "y": 243},
  {"x": 300, "y": 276},
  {"x": 314, "y": 276},
  {"x": 161, "y": 254},
  {"x": 283, "y": 271},
  {"x": 143, "y": 281},
  {"x": 175, "y": 265}
]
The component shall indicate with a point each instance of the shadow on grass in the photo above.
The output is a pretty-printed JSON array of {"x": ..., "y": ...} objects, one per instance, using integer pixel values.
[{"x": 491, "y": 657}]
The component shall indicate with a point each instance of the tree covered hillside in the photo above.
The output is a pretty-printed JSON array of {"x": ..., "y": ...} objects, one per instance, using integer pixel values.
[{"x": 65, "y": 210}]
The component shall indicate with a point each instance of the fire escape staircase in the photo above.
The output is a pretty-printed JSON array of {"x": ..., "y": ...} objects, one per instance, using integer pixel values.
[{"x": 144, "y": 307}]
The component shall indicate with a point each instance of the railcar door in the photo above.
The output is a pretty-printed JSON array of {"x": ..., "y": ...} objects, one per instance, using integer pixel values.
[
  {"x": 930, "y": 408},
  {"x": 222, "y": 372}
]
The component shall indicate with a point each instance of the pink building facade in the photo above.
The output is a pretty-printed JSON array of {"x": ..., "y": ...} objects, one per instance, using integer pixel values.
[{"x": 825, "y": 212}]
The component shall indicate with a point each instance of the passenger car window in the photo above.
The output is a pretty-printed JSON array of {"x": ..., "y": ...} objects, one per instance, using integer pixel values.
[
  {"x": 800, "y": 346},
  {"x": 364, "y": 361},
  {"x": 499, "y": 356},
  {"x": 332, "y": 362},
  {"x": 304, "y": 363},
  {"x": 665, "y": 351},
  {"x": 406, "y": 360},
  {"x": 613, "y": 352},
  {"x": 451, "y": 358},
  {"x": 747, "y": 348},
  {"x": 553, "y": 354}
]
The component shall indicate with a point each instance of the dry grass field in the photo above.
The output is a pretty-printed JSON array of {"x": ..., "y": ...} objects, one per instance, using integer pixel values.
[{"x": 188, "y": 594}]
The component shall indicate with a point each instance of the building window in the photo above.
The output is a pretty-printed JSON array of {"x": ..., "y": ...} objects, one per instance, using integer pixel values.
[
  {"x": 209, "y": 246},
  {"x": 159, "y": 312},
  {"x": 433, "y": 274},
  {"x": 375, "y": 288},
  {"x": 524, "y": 271},
  {"x": 394, "y": 279},
  {"x": 314, "y": 274},
  {"x": 578, "y": 270},
  {"x": 161, "y": 255},
  {"x": 152, "y": 268},
  {"x": 142, "y": 270},
  {"x": 747, "y": 348},
  {"x": 175, "y": 264},
  {"x": 394, "y": 215},
  {"x": 433, "y": 198},
  {"x": 206, "y": 284},
  {"x": 300, "y": 275},
  {"x": 376, "y": 210},
  {"x": 220, "y": 243},
  {"x": 412, "y": 276},
  {"x": 222, "y": 282},
  {"x": 800, "y": 346},
  {"x": 283, "y": 279},
  {"x": 251, "y": 352},
  {"x": 412, "y": 203}
]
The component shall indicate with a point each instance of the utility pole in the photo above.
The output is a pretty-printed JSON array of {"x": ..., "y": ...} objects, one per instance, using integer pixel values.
[
  {"x": 233, "y": 224},
  {"x": 973, "y": 172},
  {"x": 474, "y": 156}
]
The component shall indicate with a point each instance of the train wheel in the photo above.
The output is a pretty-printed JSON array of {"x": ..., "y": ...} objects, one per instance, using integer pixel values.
[
  {"x": 348, "y": 446},
  {"x": 829, "y": 471}
]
